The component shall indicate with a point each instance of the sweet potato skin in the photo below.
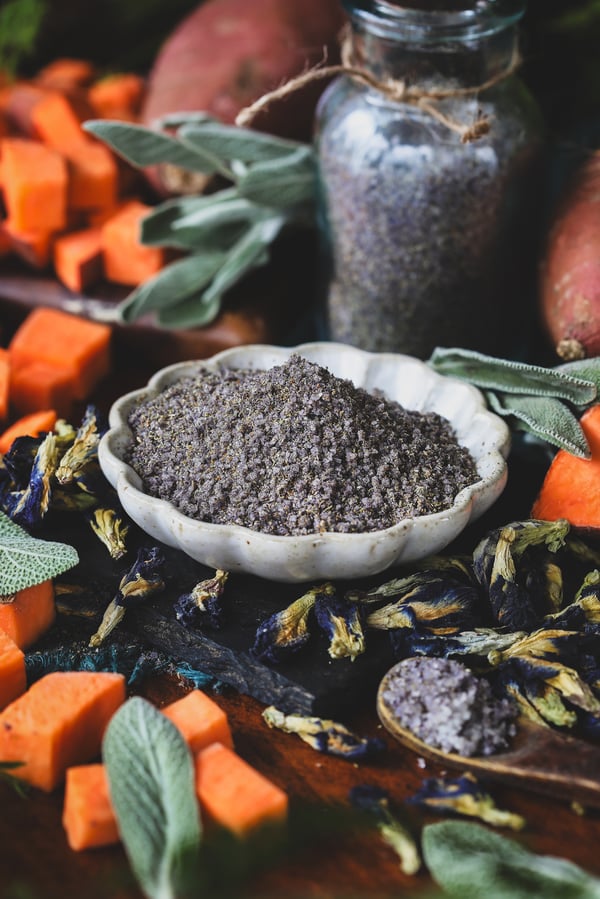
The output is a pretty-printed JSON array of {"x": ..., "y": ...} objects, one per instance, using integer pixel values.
[{"x": 570, "y": 271}]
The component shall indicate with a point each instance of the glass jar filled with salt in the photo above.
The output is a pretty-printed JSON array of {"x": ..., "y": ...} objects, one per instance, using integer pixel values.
[{"x": 429, "y": 150}]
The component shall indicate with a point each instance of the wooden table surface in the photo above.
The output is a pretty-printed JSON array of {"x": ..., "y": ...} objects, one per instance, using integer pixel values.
[{"x": 327, "y": 855}]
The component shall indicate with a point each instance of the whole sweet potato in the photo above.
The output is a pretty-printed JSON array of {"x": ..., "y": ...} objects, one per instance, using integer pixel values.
[
  {"x": 228, "y": 53},
  {"x": 570, "y": 272}
]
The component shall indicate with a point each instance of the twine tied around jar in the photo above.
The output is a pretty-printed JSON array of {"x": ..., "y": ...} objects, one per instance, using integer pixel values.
[{"x": 396, "y": 89}]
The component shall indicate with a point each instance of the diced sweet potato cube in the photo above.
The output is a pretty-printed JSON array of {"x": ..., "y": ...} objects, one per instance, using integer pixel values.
[
  {"x": 27, "y": 426},
  {"x": 29, "y": 615},
  {"x": 234, "y": 794},
  {"x": 59, "y": 722},
  {"x": 126, "y": 259},
  {"x": 40, "y": 385},
  {"x": 200, "y": 720},
  {"x": 78, "y": 258},
  {"x": 88, "y": 816},
  {"x": 93, "y": 176},
  {"x": 13, "y": 677},
  {"x": 34, "y": 177}
]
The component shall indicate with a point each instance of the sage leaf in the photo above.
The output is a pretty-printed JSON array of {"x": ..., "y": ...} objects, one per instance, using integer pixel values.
[
  {"x": 143, "y": 146},
  {"x": 251, "y": 251},
  {"x": 173, "y": 283},
  {"x": 157, "y": 225},
  {"x": 508, "y": 376},
  {"x": 195, "y": 312},
  {"x": 469, "y": 861},
  {"x": 151, "y": 777},
  {"x": 587, "y": 369},
  {"x": 282, "y": 183},
  {"x": 544, "y": 416},
  {"x": 26, "y": 561},
  {"x": 233, "y": 143},
  {"x": 229, "y": 210}
]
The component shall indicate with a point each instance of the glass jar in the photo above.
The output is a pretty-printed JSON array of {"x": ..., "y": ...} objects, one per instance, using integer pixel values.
[{"x": 429, "y": 231}]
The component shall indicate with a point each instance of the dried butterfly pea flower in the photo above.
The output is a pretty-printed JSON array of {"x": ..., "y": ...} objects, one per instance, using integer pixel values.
[
  {"x": 83, "y": 450},
  {"x": 203, "y": 603},
  {"x": 28, "y": 507},
  {"x": 143, "y": 579},
  {"x": 464, "y": 796},
  {"x": 433, "y": 567},
  {"x": 287, "y": 631},
  {"x": 16, "y": 464},
  {"x": 342, "y": 621},
  {"x": 497, "y": 561},
  {"x": 583, "y": 613},
  {"x": 323, "y": 734},
  {"x": 111, "y": 530},
  {"x": 377, "y": 804},
  {"x": 478, "y": 643},
  {"x": 435, "y": 605}
]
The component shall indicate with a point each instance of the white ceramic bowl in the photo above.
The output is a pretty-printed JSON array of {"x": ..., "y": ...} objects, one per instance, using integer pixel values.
[{"x": 330, "y": 555}]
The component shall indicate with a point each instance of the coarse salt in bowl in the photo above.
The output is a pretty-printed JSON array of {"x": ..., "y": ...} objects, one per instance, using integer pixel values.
[{"x": 234, "y": 548}]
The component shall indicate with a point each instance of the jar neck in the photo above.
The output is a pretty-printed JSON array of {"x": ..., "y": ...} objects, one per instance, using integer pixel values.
[{"x": 430, "y": 47}]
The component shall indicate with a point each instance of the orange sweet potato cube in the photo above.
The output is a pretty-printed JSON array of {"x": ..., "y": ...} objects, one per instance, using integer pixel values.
[
  {"x": 59, "y": 722},
  {"x": 13, "y": 677},
  {"x": 34, "y": 179},
  {"x": 200, "y": 720},
  {"x": 30, "y": 613},
  {"x": 234, "y": 794},
  {"x": 126, "y": 260},
  {"x": 88, "y": 815}
]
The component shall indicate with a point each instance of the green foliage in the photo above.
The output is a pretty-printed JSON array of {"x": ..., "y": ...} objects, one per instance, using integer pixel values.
[
  {"x": 20, "y": 22},
  {"x": 26, "y": 561},
  {"x": 271, "y": 187}
]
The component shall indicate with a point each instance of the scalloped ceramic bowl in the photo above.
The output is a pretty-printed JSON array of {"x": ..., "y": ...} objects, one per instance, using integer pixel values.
[{"x": 330, "y": 555}]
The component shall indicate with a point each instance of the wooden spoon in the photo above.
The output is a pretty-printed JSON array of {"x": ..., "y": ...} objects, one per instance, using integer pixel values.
[{"x": 540, "y": 758}]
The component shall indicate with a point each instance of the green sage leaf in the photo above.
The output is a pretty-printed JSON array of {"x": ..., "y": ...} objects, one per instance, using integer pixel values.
[
  {"x": 469, "y": 861},
  {"x": 288, "y": 181},
  {"x": 173, "y": 283},
  {"x": 151, "y": 777},
  {"x": 251, "y": 251},
  {"x": 231, "y": 142},
  {"x": 228, "y": 210},
  {"x": 143, "y": 146},
  {"x": 194, "y": 312},
  {"x": 508, "y": 376},
  {"x": 157, "y": 225},
  {"x": 26, "y": 561},
  {"x": 546, "y": 417},
  {"x": 587, "y": 369}
]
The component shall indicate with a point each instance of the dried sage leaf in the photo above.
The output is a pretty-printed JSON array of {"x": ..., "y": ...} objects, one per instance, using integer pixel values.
[
  {"x": 231, "y": 142},
  {"x": 508, "y": 376},
  {"x": 470, "y": 861},
  {"x": 151, "y": 776},
  {"x": 546, "y": 417},
  {"x": 143, "y": 146},
  {"x": 177, "y": 281}
]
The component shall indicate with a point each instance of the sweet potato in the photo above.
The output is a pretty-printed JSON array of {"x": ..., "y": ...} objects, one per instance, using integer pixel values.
[
  {"x": 33, "y": 246},
  {"x": 88, "y": 816},
  {"x": 4, "y": 384},
  {"x": 126, "y": 260},
  {"x": 59, "y": 722},
  {"x": 55, "y": 122},
  {"x": 200, "y": 720},
  {"x": 66, "y": 73},
  {"x": 117, "y": 96},
  {"x": 78, "y": 258},
  {"x": 28, "y": 425},
  {"x": 234, "y": 794},
  {"x": 13, "y": 677},
  {"x": 29, "y": 615},
  {"x": 40, "y": 385},
  {"x": 571, "y": 487},
  {"x": 227, "y": 53},
  {"x": 93, "y": 176},
  {"x": 67, "y": 342},
  {"x": 570, "y": 272},
  {"x": 34, "y": 180}
]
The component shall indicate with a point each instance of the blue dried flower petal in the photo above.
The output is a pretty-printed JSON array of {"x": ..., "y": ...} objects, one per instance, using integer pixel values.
[
  {"x": 324, "y": 735},
  {"x": 463, "y": 796},
  {"x": 376, "y": 802},
  {"x": 434, "y": 606},
  {"x": 204, "y": 603},
  {"x": 33, "y": 502},
  {"x": 287, "y": 631},
  {"x": 18, "y": 461},
  {"x": 111, "y": 529},
  {"x": 342, "y": 621},
  {"x": 143, "y": 578},
  {"x": 83, "y": 451}
]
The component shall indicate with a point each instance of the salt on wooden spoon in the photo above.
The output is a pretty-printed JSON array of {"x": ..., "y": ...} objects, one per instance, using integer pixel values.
[{"x": 539, "y": 758}]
